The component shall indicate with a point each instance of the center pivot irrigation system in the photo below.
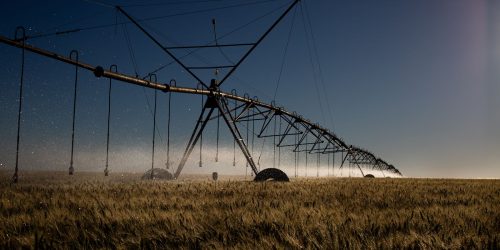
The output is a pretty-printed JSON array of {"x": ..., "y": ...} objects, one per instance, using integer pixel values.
[{"x": 258, "y": 118}]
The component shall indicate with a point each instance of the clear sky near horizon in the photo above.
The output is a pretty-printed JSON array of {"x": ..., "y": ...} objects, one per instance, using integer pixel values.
[{"x": 415, "y": 82}]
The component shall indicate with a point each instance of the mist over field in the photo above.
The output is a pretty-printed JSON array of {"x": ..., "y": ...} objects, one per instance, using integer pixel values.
[{"x": 138, "y": 160}]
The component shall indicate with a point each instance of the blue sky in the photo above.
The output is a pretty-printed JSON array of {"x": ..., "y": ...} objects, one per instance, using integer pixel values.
[{"x": 416, "y": 82}]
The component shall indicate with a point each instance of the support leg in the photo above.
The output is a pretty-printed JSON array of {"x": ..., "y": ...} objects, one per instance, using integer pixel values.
[
  {"x": 363, "y": 174},
  {"x": 231, "y": 123},
  {"x": 195, "y": 136}
]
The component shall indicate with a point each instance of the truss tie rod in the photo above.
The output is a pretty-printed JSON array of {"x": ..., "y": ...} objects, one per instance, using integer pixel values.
[
  {"x": 212, "y": 67},
  {"x": 210, "y": 46}
]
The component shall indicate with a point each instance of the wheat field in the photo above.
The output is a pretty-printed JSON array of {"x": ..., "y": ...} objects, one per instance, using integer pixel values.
[{"x": 53, "y": 210}]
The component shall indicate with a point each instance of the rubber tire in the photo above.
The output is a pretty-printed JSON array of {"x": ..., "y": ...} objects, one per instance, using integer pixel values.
[
  {"x": 158, "y": 174},
  {"x": 271, "y": 174}
]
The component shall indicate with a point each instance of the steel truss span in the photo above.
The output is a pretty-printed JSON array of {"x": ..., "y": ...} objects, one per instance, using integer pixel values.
[{"x": 296, "y": 133}]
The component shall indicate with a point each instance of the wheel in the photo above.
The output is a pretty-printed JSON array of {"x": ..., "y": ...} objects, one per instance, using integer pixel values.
[
  {"x": 271, "y": 174},
  {"x": 158, "y": 174}
]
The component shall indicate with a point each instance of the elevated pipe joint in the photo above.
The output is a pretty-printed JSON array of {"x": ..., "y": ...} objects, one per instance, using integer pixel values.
[{"x": 98, "y": 71}]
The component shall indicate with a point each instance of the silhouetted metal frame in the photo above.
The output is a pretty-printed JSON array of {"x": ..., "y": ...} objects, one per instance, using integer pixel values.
[{"x": 266, "y": 111}]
